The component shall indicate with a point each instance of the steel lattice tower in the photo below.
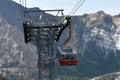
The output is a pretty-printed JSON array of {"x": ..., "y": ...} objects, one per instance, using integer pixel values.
[{"x": 43, "y": 33}]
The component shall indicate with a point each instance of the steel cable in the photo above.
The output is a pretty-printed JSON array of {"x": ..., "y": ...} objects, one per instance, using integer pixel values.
[{"x": 77, "y": 6}]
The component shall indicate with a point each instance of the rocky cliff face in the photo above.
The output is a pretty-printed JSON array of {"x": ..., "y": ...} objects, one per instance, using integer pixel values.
[
  {"x": 16, "y": 58},
  {"x": 97, "y": 43}
]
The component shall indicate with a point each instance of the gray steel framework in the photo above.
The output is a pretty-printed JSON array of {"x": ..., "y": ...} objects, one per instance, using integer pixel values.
[{"x": 42, "y": 34}]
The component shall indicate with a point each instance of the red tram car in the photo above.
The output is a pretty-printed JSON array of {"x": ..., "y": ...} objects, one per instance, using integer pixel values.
[{"x": 67, "y": 57}]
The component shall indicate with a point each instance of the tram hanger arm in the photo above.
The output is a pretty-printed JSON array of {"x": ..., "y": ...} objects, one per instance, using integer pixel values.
[{"x": 68, "y": 43}]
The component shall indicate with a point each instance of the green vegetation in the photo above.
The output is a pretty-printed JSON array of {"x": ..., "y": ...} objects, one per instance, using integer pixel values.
[{"x": 109, "y": 77}]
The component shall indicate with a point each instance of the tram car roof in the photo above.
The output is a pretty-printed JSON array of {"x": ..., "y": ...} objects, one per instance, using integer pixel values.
[{"x": 64, "y": 52}]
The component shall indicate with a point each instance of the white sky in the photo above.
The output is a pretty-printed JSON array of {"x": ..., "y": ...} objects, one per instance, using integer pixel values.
[{"x": 90, "y": 6}]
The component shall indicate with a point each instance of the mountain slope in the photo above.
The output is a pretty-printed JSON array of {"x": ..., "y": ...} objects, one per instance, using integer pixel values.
[
  {"x": 11, "y": 12},
  {"x": 97, "y": 43},
  {"x": 102, "y": 48},
  {"x": 16, "y": 58},
  {"x": 14, "y": 54}
]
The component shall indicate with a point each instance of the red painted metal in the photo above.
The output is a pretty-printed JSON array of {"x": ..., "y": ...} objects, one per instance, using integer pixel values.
[{"x": 68, "y": 62}]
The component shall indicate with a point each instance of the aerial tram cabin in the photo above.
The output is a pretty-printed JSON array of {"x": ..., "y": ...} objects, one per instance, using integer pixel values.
[
  {"x": 66, "y": 53},
  {"x": 67, "y": 57}
]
